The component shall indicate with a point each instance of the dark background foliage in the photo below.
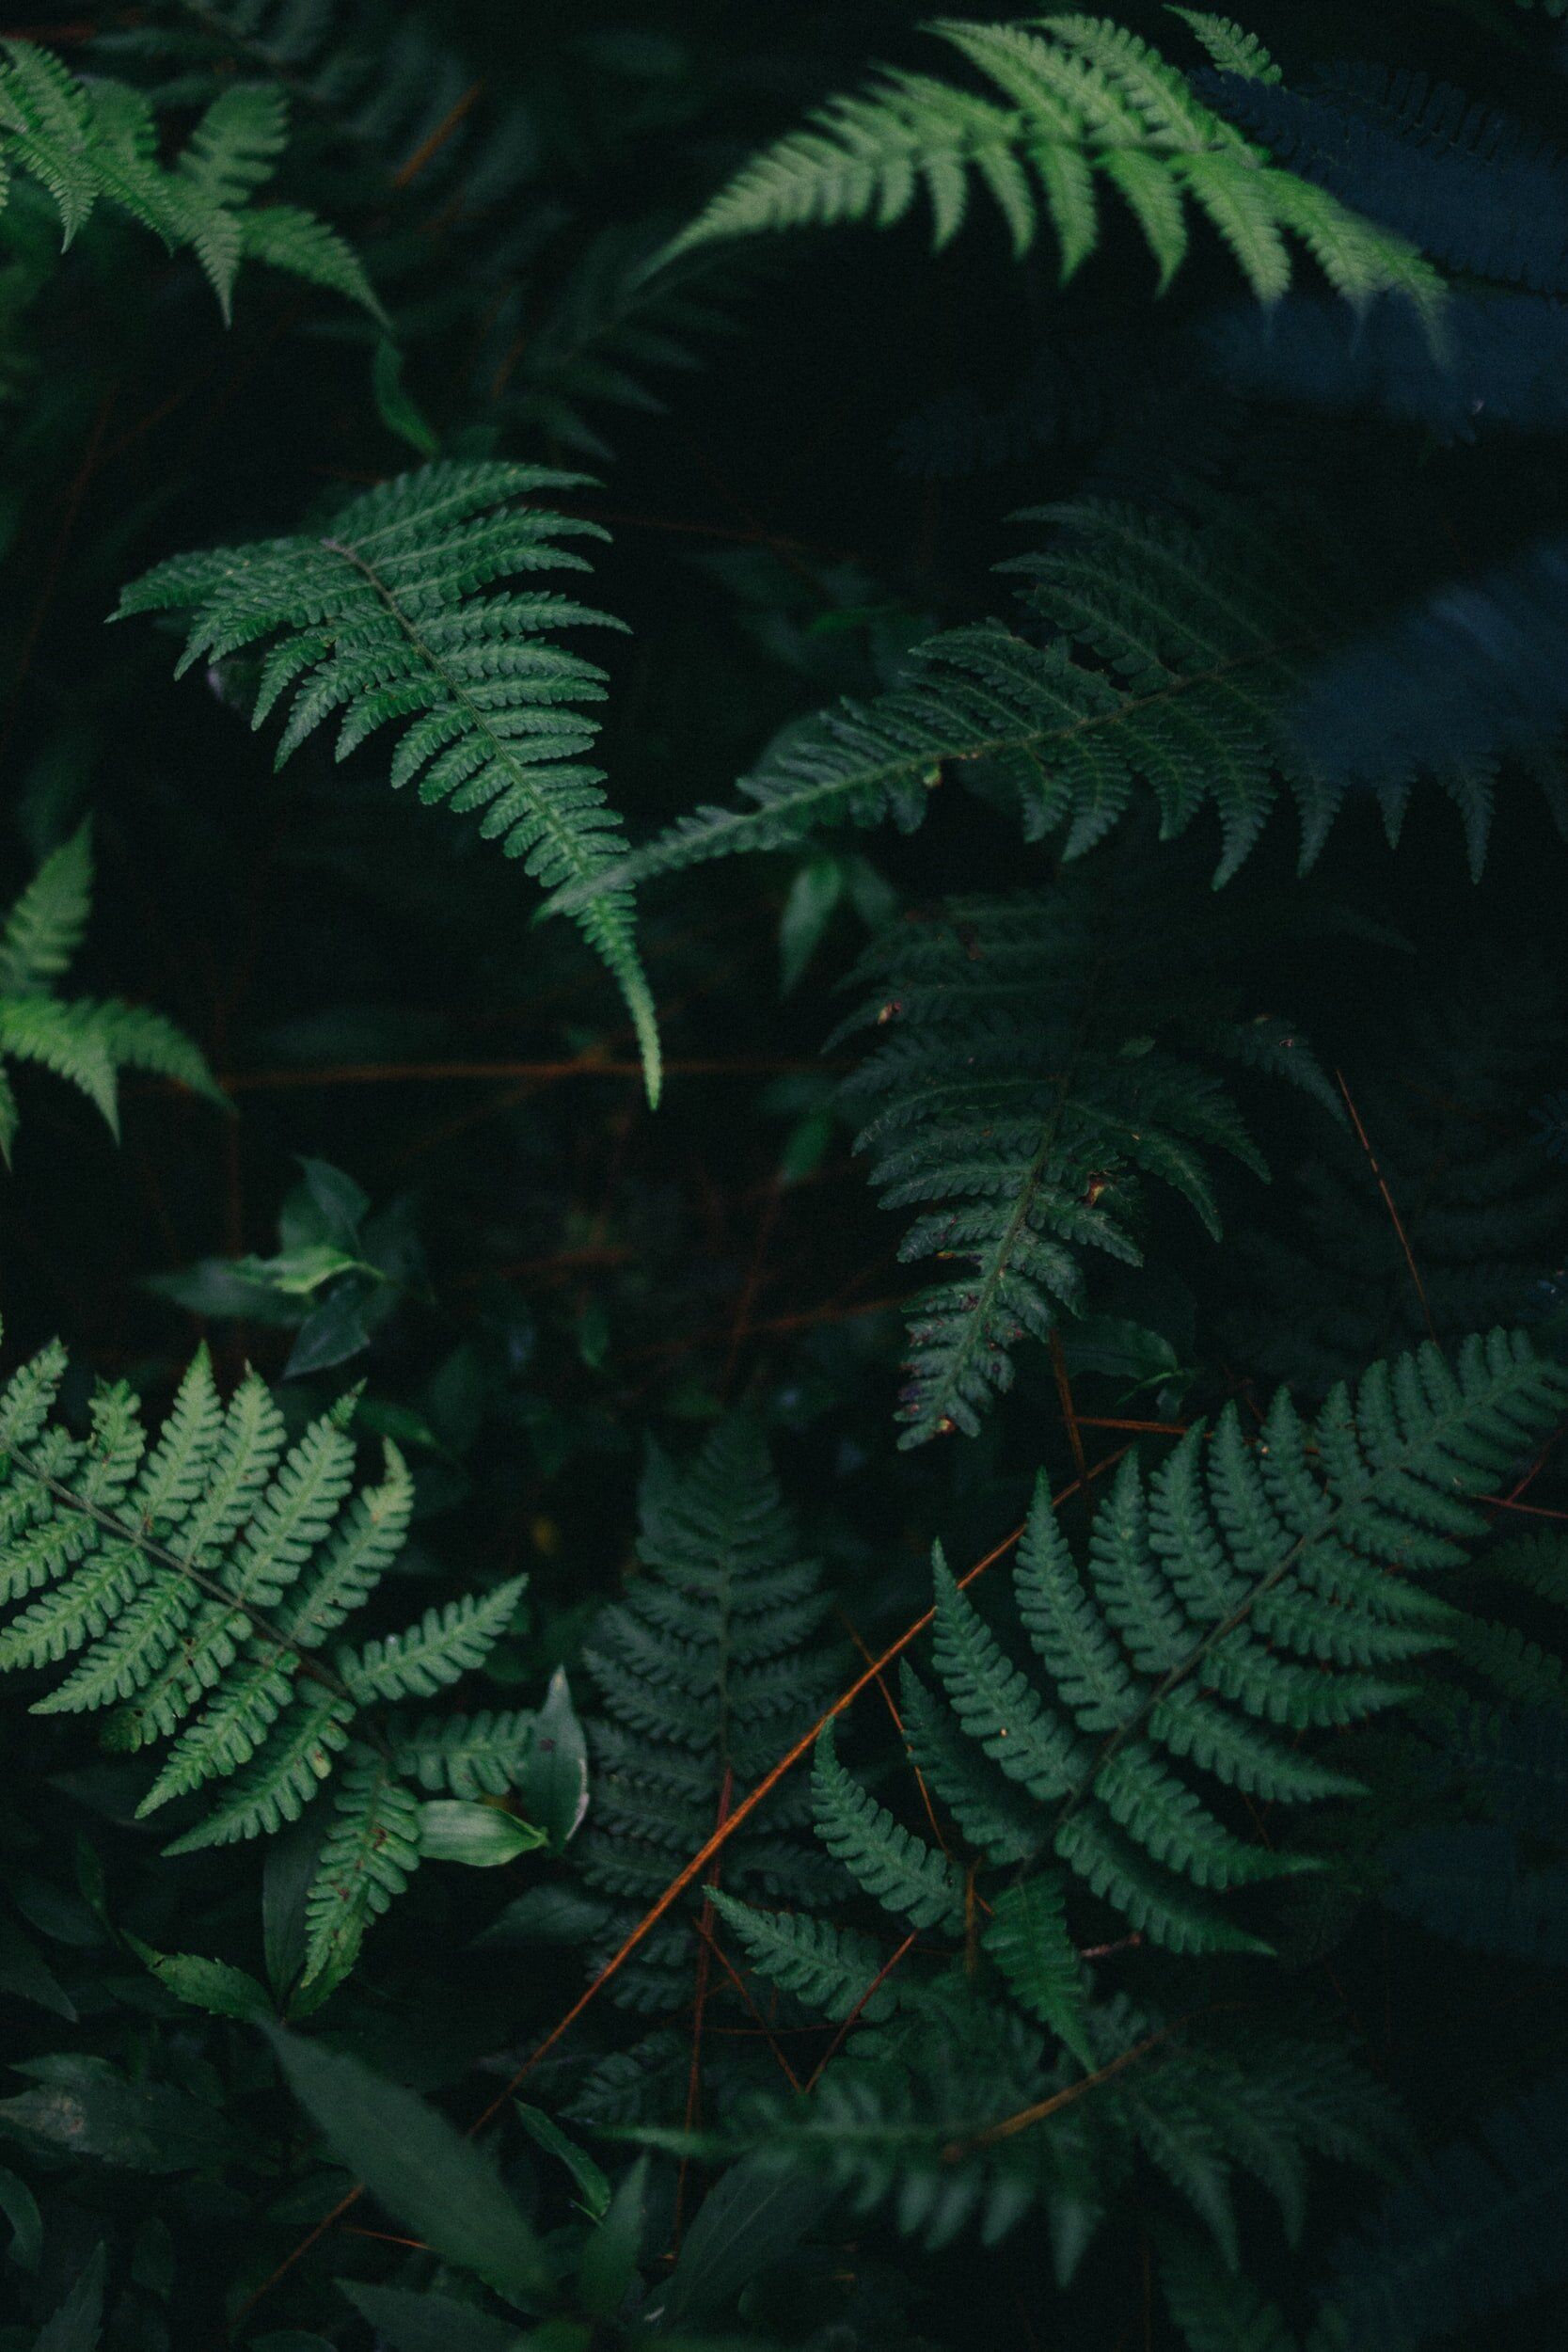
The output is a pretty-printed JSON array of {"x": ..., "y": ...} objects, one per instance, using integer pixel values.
[{"x": 808, "y": 454}]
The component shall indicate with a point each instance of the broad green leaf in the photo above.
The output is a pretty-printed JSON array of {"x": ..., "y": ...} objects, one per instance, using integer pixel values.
[{"x": 414, "y": 2162}]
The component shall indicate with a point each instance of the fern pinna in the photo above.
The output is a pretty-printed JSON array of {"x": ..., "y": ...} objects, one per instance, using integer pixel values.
[
  {"x": 712, "y": 1661},
  {"x": 196, "y": 1583},
  {"x": 379, "y": 616},
  {"x": 85, "y": 1040},
  {"x": 1037, "y": 1059},
  {"x": 1239, "y": 1605}
]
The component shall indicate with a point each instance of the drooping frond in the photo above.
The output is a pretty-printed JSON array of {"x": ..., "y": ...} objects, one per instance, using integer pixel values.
[
  {"x": 87, "y": 143},
  {"x": 706, "y": 1669},
  {"x": 1076, "y": 104},
  {"x": 383, "y": 619},
  {"x": 1004, "y": 1103},
  {"x": 85, "y": 1040},
  {"x": 1152, "y": 656},
  {"x": 193, "y": 1582}
]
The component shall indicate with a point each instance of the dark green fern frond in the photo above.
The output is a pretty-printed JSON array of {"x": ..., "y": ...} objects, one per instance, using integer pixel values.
[
  {"x": 707, "y": 1669},
  {"x": 1236, "y": 1606},
  {"x": 1155, "y": 655},
  {"x": 1027, "y": 1083},
  {"x": 85, "y": 1040},
  {"x": 1236, "y": 1603},
  {"x": 1483, "y": 1207},
  {"x": 1477, "y": 2230},
  {"x": 382, "y": 619},
  {"x": 1077, "y": 104},
  {"x": 193, "y": 1583}
]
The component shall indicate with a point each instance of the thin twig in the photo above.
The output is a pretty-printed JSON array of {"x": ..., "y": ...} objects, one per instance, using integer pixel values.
[{"x": 1388, "y": 1204}]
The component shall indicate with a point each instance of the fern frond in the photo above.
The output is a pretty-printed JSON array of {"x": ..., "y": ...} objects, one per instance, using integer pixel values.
[
  {"x": 711, "y": 1661},
  {"x": 194, "y": 1583},
  {"x": 84, "y": 1040},
  {"x": 1237, "y": 1589},
  {"x": 1176, "y": 656},
  {"x": 1477, "y": 190},
  {"x": 86, "y": 143},
  {"x": 1076, "y": 104},
  {"x": 449, "y": 1641},
  {"x": 370, "y": 1852},
  {"x": 833, "y": 1969},
  {"x": 880, "y": 1856},
  {"x": 1232, "y": 50},
  {"x": 382, "y": 620},
  {"x": 1007, "y": 1107},
  {"x": 44, "y": 926}
]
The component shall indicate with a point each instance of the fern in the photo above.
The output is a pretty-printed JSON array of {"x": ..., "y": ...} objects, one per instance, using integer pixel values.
[
  {"x": 1232, "y": 50},
  {"x": 196, "y": 1583},
  {"x": 1235, "y": 1606},
  {"x": 706, "y": 1669},
  {"x": 1083, "y": 103},
  {"x": 1174, "y": 655},
  {"x": 1026, "y": 1081},
  {"x": 92, "y": 143},
  {"x": 380, "y": 617},
  {"x": 85, "y": 1040}
]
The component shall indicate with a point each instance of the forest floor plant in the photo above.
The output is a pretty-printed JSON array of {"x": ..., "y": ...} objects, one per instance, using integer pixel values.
[{"x": 824, "y": 1612}]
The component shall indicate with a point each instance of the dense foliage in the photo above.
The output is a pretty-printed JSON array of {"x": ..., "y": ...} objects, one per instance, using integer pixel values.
[{"x": 783, "y": 1549}]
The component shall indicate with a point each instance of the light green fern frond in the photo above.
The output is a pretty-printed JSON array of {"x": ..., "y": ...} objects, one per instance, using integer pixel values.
[
  {"x": 91, "y": 142},
  {"x": 382, "y": 620},
  {"x": 84, "y": 1040},
  {"x": 194, "y": 1584},
  {"x": 1232, "y": 50},
  {"x": 1076, "y": 104}
]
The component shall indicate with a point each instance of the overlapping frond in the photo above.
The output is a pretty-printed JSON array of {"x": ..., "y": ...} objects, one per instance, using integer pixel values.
[
  {"x": 1153, "y": 656},
  {"x": 1236, "y": 1606},
  {"x": 1076, "y": 105},
  {"x": 382, "y": 619}
]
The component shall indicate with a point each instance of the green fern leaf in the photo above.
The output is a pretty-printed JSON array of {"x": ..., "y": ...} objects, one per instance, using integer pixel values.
[{"x": 1083, "y": 103}]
